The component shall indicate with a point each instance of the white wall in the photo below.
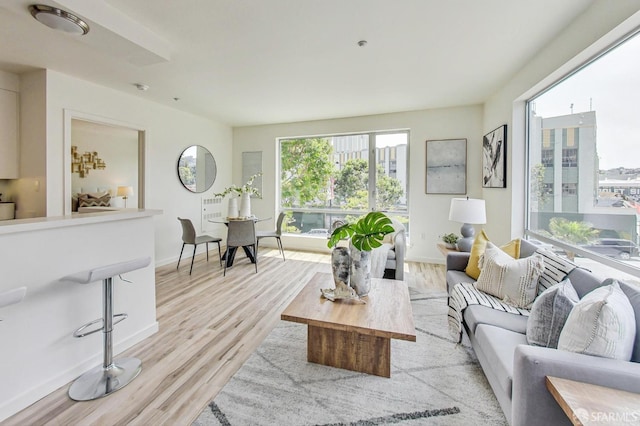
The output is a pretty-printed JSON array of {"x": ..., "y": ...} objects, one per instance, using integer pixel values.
[
  {"x": 588, "y": 34},
  {"x": 168, "y": 133},
  {"x": 429, "y": 213}
]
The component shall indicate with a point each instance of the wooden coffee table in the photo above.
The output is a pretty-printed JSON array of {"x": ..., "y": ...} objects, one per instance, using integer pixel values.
[{"x": 350, "y": 334}]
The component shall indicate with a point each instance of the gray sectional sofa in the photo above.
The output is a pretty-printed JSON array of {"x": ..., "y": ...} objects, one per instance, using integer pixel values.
[{"x": 516, "y": 371}]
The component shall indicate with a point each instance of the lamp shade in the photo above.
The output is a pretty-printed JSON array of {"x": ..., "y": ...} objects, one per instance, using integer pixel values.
[
  {"x": 125, "y": 191},
  {"x": 467, "y": 210}
]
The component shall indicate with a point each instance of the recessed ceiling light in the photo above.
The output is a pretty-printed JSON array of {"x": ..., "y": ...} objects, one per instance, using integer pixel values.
[
  {"x": 362, "y": 43},
  {"x": 141, "y": 86},
  {"x": 59, "y": 19}
]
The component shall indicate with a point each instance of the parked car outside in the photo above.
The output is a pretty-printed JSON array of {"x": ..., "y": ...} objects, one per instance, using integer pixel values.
[
  {"x": 320, "y": 232},
  {"x": 614, "y": 247}
]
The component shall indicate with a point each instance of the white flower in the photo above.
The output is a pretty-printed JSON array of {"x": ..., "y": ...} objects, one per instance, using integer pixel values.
[{"x": 246, "y": 188}]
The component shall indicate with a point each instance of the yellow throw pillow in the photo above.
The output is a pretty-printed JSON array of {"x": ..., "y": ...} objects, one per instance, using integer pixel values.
[
  {"x": 477, "y": 250},
  {"x": 512, "y": 248}
]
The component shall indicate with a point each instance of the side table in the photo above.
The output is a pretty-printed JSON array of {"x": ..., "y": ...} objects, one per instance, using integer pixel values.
[
  {"x": 587, "y": 404},
  {"x": 445, "y": 250}
]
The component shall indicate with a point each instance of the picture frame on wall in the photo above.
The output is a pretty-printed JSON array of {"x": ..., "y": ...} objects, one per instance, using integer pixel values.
[
  {"x": 494, "y": 158},
  {"x": 446, "y": 166}
]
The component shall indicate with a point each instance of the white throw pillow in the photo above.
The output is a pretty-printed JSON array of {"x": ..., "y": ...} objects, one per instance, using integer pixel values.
[
  {"x": 515, "y": 281},
  {"x": 602, "y": 324}
]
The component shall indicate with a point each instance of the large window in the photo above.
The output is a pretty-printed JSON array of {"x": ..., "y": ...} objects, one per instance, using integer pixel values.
[
  {"x": 329, "y": 178},
  {"x": 584, "y": 163}
]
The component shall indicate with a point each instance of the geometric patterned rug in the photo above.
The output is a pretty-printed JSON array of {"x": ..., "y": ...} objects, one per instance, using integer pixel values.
[{"x": 433, "y": 382}]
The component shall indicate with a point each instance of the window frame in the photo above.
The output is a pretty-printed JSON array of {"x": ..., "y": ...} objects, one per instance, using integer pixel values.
[{"x": 607, "y": 261}]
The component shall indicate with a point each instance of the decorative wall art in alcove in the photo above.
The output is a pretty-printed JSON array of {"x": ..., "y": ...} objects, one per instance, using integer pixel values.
[
  {"x": 446, "y": 171},
  {"x": 82, "y": 163}
]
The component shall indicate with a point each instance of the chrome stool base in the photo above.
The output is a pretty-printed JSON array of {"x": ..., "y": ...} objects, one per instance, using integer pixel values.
[{"x": 101, "y": 381}]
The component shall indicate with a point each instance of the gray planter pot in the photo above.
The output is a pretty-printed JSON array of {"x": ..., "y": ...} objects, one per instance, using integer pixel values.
[
  {"x": 360, "y": 271},
  {"x": 341, "y": 265}
]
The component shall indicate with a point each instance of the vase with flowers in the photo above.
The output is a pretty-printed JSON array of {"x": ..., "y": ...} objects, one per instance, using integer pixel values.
[{"x": 245, "y": 192}]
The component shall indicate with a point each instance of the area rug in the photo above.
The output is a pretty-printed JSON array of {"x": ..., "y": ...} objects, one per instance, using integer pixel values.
[{"x": 433, "y": 382}]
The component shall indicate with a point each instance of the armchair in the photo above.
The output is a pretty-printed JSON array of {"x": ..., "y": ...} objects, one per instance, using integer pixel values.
[{"x": 394, "y": 267}]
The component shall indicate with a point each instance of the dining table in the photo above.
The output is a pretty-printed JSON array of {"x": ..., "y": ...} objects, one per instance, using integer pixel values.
[{"x": 230, "y": 253}]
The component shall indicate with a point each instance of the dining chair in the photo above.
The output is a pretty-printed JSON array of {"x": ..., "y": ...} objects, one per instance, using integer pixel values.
[
  {"x": 189, "y": 237},
  {"x": 273, "y": 234},
  {"x": 242, "y": 233}
]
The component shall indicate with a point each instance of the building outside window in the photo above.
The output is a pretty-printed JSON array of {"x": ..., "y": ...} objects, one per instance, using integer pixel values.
[{"x": 583, "y": 164}]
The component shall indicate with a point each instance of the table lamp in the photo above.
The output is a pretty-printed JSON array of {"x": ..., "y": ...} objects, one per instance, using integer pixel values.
[
  {"x": 125, "y": 192},
  {"x": 469, "y": 211}
]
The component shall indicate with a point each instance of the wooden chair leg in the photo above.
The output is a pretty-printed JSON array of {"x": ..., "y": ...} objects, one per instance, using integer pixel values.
[
  {"x": 180, "y": 256},
  {"x": 207, "y": 244},
  {"x": 219, "y": 253}
]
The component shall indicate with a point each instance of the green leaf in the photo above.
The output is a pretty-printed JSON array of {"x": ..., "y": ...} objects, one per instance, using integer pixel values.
[
  {"x": 366, "y": 234},
  {"x": 341, "y": 233}
]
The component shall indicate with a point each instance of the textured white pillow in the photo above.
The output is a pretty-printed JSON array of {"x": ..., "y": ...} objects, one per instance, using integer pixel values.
[
  {"x": 602, "y": 324},
  {"x": 515, "y": 281}
]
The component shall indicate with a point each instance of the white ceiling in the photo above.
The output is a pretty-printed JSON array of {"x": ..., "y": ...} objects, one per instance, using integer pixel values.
[{"x": 248, "y": 62}]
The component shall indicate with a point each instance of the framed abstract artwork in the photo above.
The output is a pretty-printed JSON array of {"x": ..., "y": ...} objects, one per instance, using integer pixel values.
[
  {"x": 494, "y": 158},
  {"x": 446, "y": 171}
]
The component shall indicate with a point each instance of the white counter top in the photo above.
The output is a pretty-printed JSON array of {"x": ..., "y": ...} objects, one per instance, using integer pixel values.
[{"x": 40, "y": 223}]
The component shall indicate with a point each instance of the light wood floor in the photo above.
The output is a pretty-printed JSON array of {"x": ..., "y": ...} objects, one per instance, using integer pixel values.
[{"x": 209, "y": 325}]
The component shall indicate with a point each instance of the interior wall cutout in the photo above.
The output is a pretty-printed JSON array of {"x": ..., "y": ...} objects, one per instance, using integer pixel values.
[{"x": 121, "y": 147}]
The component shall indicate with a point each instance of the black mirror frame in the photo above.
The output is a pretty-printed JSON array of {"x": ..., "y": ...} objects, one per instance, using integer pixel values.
[{"x": 191, "y": 187}]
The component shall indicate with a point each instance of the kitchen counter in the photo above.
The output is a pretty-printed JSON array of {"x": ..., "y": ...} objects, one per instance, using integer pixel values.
[
  {"x": 40, "y": 223},
  {"x": 36, "y": 334}
]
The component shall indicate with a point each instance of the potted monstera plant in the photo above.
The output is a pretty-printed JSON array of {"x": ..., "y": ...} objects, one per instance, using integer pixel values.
[{"x": 364, "y": 235}]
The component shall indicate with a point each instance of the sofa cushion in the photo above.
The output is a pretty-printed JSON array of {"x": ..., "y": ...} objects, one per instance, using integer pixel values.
[
  {"x": 475, "y": 315},
  {"x": 602, "y": 324},
  {"x": 99, "y": 199},
  {"x": 498, "y": 345},
  {"x": 515, "y": 281},
  {"x": 549, "y": 313}
]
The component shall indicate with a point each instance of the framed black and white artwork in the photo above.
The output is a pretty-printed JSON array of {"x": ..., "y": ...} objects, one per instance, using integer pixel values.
[
  {"x": 494, "y": 158},
  {"x": 446, "y": 171}
]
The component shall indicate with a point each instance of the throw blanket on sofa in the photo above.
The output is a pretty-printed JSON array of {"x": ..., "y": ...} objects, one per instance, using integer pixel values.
[
  {"x": 465, "y": 294},
  {"x": 556, "y": 269}
]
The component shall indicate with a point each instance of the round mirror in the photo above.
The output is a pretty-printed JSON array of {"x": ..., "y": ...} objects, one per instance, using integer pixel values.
[{"x": 197, "y": 168}]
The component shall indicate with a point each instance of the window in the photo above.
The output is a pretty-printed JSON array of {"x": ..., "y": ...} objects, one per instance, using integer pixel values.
[
  {"x": 569, "y": 189},
  {"x": 547, "y": 157},
  {"x": 600, "y": 170},
  {"x": 569, "y": 157},
  {"x": 341, "y": 177}
]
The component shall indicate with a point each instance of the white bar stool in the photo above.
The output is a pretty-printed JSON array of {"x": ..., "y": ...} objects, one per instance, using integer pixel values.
[{"x": 113, "y": 374}]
